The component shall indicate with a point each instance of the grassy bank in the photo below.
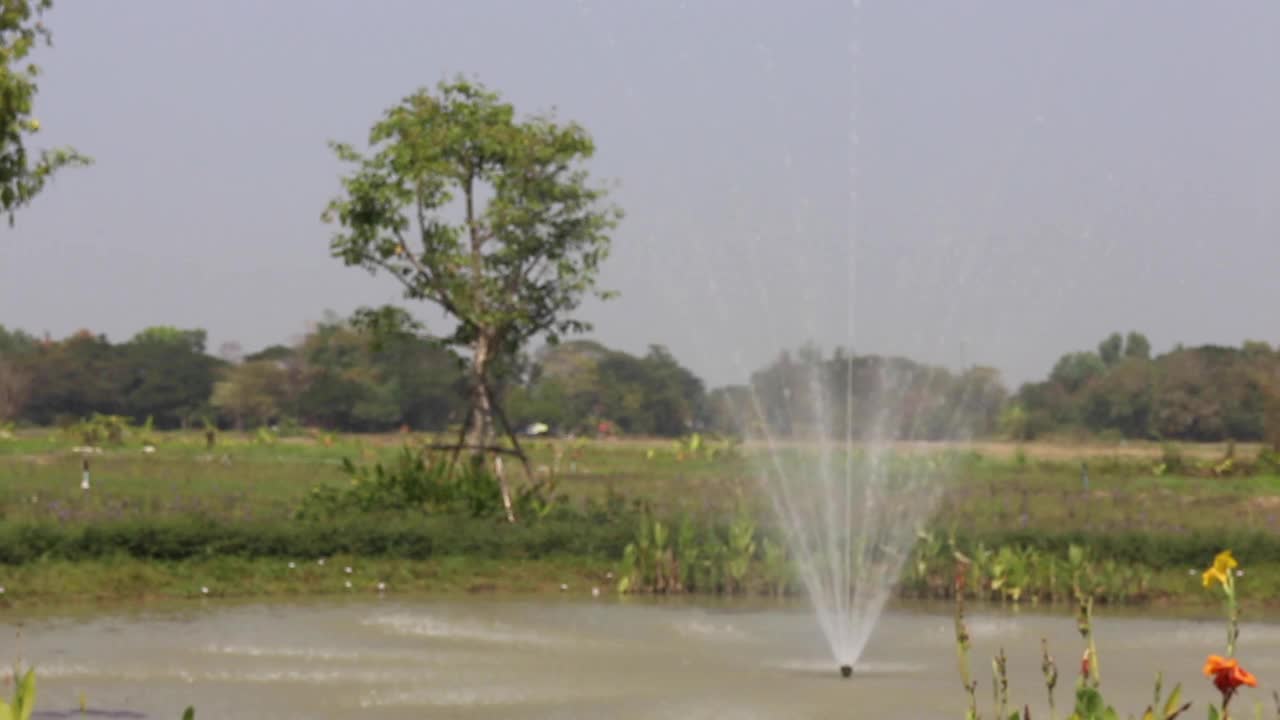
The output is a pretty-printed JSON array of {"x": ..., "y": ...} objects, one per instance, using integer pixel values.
[
  {"x": 122, "y": 579},
  {"x": 710, "y": 555}
]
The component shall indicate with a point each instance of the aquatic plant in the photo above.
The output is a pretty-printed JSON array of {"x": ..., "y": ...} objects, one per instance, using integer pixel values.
[
  {"x": 1226, "y": 673},
  {"x": 24, "y": 697}
]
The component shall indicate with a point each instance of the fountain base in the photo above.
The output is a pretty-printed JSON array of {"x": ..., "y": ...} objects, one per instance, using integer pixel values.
[{"x": 846, "y": 671}]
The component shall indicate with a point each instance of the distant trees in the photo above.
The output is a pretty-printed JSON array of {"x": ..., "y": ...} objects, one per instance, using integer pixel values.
[
  {"x": 74, "y": 378},
  {"x": 352, "y": 382},
  {"x": 1205, "y": 393},
  {"x": 251, "y": 394},
  {"x": 15, "y": 386},
  {"x": 809, "y": 395},
  {"x": 1137, "y": 346},
  {"x": 1109, "y": 350},
  {"x": 332, "y": 379},
  {"x": 15, "y": 377},
  {"x": 346, "y": 375},
  {"x": 166, "y": 375},
  {"x": 576, "y": 385}
]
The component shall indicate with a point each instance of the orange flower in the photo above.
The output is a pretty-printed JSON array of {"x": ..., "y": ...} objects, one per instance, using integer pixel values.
[{"x": 1227, "y": 674}]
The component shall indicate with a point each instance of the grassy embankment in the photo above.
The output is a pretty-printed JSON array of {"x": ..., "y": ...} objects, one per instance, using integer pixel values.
[{"x": 181, "y": 520}]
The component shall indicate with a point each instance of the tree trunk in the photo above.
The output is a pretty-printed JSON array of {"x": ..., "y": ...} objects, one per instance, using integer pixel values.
[{"x": 480, "y": 432}]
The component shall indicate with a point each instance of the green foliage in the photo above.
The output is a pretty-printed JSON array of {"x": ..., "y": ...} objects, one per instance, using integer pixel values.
[
  {"x": 396, "y": 535},
  {"x": 542, "y": 233},
  {"x": 22, "y": 177},
  {"x": 251, "y": 394},
  {"x": 1109, "y": 350},
  {"x": 703, "y": 556},
  {"x": 374, "y": 373},
  {"x": 1016, "y": 567},
  {"x": 412, "y": 483},
  {"x": 575, "y": 385},
  {"x": 1137, "y": 346},
  {"x": 24, "y": 698},
  {"x": 101, "y": 430},
  {"x": 1074, "y": 370},
  {"x": 1206, "y": 393},
  {"x": 487, "y": 216},
  {"x": 1090, "y": 706}
]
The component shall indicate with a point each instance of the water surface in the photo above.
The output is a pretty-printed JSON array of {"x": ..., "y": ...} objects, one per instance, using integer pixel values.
[{"x": 570, "y": 658}]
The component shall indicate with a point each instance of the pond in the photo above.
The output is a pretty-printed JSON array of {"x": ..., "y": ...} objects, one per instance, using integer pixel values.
[{"x": 470, "y": 657}]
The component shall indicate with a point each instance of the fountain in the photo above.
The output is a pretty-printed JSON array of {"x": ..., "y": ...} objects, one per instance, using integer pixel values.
[{"x": 850, "y": 509}]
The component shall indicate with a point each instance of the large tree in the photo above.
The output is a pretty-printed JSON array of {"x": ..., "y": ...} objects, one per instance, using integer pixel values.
[
  {"x": 489, "y": 216},
  {"x": 21, "y": 176}
]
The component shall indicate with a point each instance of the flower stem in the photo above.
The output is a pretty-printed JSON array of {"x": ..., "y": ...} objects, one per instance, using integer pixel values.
[{"x": 962, "y": 646}]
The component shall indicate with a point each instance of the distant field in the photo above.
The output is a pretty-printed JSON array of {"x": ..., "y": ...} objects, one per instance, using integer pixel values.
[{"x": 989, "y": 484}]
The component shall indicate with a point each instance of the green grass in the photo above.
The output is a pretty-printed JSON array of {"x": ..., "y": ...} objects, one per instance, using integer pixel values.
[
  {"x": 1134, "y": 511},
  {"x": 243, "y": 479}
]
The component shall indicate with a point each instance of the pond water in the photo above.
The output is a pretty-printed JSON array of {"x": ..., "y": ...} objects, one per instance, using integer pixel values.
[{"x": 566, "y": 658}]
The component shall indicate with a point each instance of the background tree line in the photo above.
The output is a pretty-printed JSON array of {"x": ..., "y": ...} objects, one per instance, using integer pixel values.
[
  {"x": 1205, "y": 393},
  {"x": 337, "y": 377},
  {"x": 340, "y": 376}
]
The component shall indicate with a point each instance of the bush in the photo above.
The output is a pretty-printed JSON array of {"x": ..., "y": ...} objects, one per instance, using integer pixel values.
[{"x": 411, "y": 483}]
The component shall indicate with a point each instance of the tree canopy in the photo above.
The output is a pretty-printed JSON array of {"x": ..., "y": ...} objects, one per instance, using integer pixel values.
[
  {"x": 22, "y": 176},
  {"x": 486, "y": 215}
]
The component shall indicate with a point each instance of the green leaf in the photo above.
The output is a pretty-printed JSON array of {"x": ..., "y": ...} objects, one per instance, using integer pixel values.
[
  {"x": 1171, "y": 705},
  {"x": 25, "y": 696},
  {"x": 1088, "y": 702},
  {"x": 1213, "y": 713},
  {"x": 189, "y": 713}
]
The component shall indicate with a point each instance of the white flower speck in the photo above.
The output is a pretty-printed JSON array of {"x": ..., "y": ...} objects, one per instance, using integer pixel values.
[
  {"x": 347, "y": 569},
  {"x": 1, "y": 589},
  {"x": 320, "y": 561},
  {"x": 1239, "y": 573},
  {"x": 608, "y": 576},
  {"x": 1192, "y": 572},
  {"x": 563, "y": 587},
  {"x": 595, "y": 592},
  {"x": 292, "y": 565},
  {"x": 204, "y": 590},
  {"x": 382, "y": 586},
  {"x": 348, "y": 584}
]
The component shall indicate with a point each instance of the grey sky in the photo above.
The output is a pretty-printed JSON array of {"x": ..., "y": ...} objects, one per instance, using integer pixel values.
[{"x": 1028, "y": 176}]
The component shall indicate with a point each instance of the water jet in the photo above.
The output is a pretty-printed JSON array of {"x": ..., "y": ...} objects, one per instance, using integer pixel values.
[{"x": 849, "y": 507}]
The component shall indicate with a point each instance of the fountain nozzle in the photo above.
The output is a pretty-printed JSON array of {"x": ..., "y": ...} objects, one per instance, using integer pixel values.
[{"x": 846, "y": 671}]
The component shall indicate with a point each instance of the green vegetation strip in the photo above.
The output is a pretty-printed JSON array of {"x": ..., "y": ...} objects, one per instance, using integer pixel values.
[
  {"x": 420, "y": 538},
  {"x": 407, "y": 538},
  {"x": 124, "y": 579}
]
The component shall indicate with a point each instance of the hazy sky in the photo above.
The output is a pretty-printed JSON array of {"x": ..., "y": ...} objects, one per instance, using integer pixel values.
[{"x": 994, "y": 182}]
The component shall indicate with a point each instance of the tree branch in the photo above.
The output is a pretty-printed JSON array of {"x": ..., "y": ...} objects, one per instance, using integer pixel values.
[{"x": 434, "y": 296}]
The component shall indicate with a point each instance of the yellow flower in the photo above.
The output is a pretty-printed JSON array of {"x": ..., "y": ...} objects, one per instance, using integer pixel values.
[
  {"x": 1211, "y": 575},
  {"x": 34, "y": 124},
  {"x": 1223, "y": 564}
]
